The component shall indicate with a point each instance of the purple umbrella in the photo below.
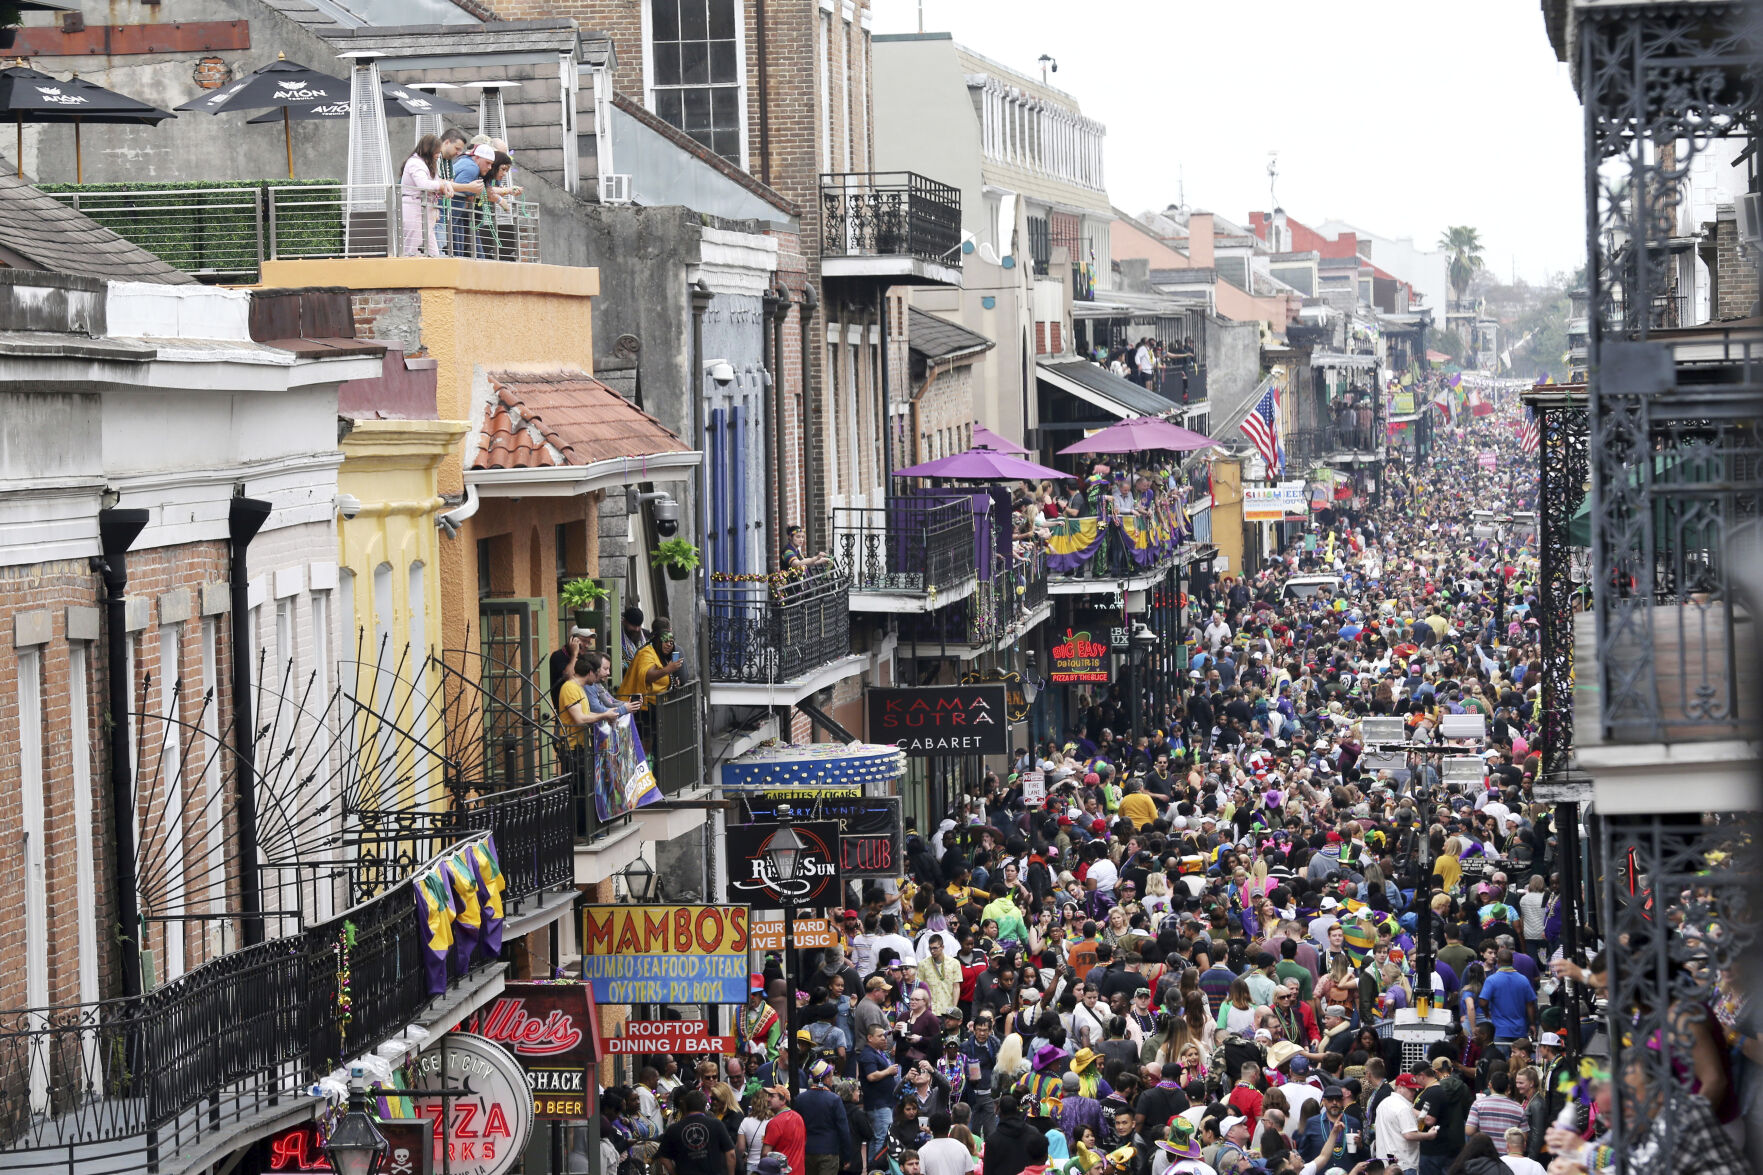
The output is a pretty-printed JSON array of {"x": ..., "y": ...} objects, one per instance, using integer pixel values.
[
  {"x": 982, "y": 465},
  {"x": 985, "y": 438},
  {"x": 1140, "y": 434}
]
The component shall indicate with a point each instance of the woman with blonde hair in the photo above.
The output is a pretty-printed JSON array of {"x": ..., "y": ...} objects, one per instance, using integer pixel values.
[{"x": 1156, "y": 899}]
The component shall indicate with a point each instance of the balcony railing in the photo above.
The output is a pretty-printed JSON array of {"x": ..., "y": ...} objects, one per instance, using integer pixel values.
[
  {"x": 530, "y": 825},
  {"x": 669, "y": 726},
  {"x": 1116, "y": 544},
  {"x": 127, "y": 1084},
  {"x": 913, "y": 545},
  {"x": 1000, "y": 604},
  {"x": 1314, "y": 444},
  {"x": 888, "y": 214},
  {"x": 764, "y": 632},
  {"x": 226, "y": 233}
]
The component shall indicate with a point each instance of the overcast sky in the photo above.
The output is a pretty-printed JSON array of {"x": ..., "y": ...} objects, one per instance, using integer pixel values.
[{"x": 1399, "y": 116}]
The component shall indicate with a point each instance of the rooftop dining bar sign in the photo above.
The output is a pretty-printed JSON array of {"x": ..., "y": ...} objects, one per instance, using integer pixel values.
[
  {"x": 933, "y": 720},
  {"x": 1078, "y": 658}
]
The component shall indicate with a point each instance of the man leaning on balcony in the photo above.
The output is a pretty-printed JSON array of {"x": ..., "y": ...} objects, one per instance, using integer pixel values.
[
  {"x": 583, "y": 701},
  {"x": 793, "y": 560},
  {"x": 651, "y": 671}
]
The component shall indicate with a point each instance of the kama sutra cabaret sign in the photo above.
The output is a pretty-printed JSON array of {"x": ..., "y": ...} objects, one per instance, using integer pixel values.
[
  {"x": 1077, "y": 658},
  {"x": 941, "y": 719},
  {"x": 666, "y": 954},
  {"x": 550, "y": 1030}
]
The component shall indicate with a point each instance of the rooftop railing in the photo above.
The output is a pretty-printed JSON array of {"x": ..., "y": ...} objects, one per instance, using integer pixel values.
[
  {"x": 225, "y": 233},
  {"x": 895, "y": 213}
]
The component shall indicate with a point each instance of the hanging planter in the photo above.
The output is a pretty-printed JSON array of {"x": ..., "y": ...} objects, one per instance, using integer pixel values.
[
  {"x": 677, "y": 557},
  {"x": 587, "y": 599}
]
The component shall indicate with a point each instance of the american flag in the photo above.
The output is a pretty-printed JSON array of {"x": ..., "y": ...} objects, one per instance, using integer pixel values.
[
  {"x": 1261, "y": 426},
  {"x": 1530, "y": 434}
]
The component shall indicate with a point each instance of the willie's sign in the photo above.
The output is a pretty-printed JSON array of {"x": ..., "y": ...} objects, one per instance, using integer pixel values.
[
  {"x": 941, "y": 719},
  {"x": 550, "y": 1029}
]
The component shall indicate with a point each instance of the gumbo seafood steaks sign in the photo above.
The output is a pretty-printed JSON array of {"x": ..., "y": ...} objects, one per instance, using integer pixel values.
[{"x": 941, "y": 719}]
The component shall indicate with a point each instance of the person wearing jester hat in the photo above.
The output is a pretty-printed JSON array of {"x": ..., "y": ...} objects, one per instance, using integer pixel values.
[{"x": 761, "y": 1031}]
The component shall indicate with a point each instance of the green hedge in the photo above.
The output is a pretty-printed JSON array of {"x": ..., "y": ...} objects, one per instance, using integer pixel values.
[{"x": 212, "y": 226}]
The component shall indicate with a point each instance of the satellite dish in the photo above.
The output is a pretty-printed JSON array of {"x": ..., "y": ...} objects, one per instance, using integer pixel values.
[{"x": 988, "y": 254}]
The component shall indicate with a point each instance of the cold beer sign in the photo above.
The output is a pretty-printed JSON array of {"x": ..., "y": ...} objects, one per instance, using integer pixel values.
[{"x": 941, "y": 719}]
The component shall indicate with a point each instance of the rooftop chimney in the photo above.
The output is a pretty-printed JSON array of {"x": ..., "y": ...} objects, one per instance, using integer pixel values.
[{"x": 1200, "y": 240}]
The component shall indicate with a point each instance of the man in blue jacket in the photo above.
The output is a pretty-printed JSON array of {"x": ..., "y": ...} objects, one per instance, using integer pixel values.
[
  {"x": 828, "y": 1130},
  {"x": 1509, "y": 1000}
]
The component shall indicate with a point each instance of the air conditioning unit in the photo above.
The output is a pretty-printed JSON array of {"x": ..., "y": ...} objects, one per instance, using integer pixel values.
[
  {"x": 1750, "y": 217},
  {"x": 615, "y": 189}
]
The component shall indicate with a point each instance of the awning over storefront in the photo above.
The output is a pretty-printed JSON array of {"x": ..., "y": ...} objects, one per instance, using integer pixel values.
[
  {"x": 1103, "y": 389},
  {"x": 1337, "y": 359},
  {"x": 815, "y": 764}
]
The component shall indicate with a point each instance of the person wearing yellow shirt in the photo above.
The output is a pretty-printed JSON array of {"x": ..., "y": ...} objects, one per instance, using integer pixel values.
[
  {"x": 651, "y": 671},
  {"x": 1137, "y": 805},
  {"x": 1448, "y": 865}
]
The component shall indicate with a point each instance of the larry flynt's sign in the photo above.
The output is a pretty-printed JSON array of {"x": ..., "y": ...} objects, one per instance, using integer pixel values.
[
  {"x": 752, "y": 877},
  {"x": 549, "y": 1027},
  {"x": 1078, "y": 658},
  {"x": 933, "y": 720},
  {"x": 666, "y": 954}
]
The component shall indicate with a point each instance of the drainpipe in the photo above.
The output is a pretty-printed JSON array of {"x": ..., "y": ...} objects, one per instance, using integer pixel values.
[
  {"x": 887, "y": 406},
  {"x": 777, "y": 504},
  {"x": 810, "y": 420},
  {"x": 701, "y": 298},
  {"x": 245, "y": 517},
  {"x": 117, "y": 531},
  {"x": 764, "y": 94}
]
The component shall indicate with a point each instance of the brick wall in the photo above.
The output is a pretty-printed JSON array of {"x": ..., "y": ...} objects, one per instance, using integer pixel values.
[
  {"x": 945, "y": 415},
  {"x": 1735, "y": 282},
  {"x": 389, "y": 316}
]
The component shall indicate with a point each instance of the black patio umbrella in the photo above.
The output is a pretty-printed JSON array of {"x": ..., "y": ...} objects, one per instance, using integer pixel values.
[
  {"x": 281, "y": 84},
  {"x": 400, "y": 102},
  {"x": 29, "y": 95}
]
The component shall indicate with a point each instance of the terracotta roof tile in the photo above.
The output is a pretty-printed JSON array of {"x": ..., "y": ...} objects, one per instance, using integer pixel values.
[{"x": 557, "y": 418}]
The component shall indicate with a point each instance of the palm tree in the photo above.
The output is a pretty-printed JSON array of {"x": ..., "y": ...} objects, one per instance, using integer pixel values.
[{"x": 1463, "y": 243}]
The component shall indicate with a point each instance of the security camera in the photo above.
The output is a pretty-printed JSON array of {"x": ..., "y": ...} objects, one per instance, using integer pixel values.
[
  {"x": 666, "y": 517},
  {"x": 348, "y": 505},
  {"x": 722, "y": 371}
]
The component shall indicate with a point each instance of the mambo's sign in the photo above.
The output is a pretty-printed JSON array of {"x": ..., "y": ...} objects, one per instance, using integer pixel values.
[
  {"x": 648, "y": 1037},
  {"x": 941, "y": 719},
  {"x": 1077, "y": 658},
  {"x": 665, "y": 954}
]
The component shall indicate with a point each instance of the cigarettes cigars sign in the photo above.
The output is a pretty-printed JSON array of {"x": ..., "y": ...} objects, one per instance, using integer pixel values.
[
  {"x": 1078, "y": 658},
  {"x": 550, "y": 1029},
  {"x": 926, "y": 721},
  {"x": 666, "y": 954},
  {"x": 752, "y": 876}
]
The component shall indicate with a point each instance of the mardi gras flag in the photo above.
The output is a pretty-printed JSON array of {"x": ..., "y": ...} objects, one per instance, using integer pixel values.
[
  {"x": 468, "y": 912},
  {"x": 434, "y": 901},
  {"x": 490, "y": 885}
]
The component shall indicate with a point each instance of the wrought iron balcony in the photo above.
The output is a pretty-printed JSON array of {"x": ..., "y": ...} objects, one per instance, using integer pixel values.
[
  {"x": 1115, "y": 545},
  {"x": 530, "y": 825},
  {"x": 672, "y": 738},
  {"x": 135, "y": 1085},
  {"x": 890, "y": 214},
  {"x": 1318, "y": 444},
  {"x": 773, "y": 630},
  {"x": 920, "y": 547}
]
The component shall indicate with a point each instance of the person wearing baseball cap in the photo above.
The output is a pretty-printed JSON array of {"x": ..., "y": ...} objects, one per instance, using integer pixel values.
[
  {"x": 827, "y": 1139},
  {"x": 1397, "y": 1125},
  {"x": 1334, "y": 1134}
]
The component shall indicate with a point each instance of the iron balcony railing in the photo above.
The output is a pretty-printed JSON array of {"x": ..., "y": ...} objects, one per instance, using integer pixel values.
[
  {"x": 671, "y": 732},
  {"x": 124, "y": 1085},
  {"x": 767, "y": 631},
  {"x": 889, "y": 214},
  {"x": 226, "y": 233},
  {"x": 530, "y": 825},
  {"x": 913, "y": 545},
  {"x": 1319, "y": 443},
  {"x": 1002, "y": 603}
]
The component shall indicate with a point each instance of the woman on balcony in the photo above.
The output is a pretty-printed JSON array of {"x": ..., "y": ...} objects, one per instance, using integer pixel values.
[{"x": 422, "y": 188}]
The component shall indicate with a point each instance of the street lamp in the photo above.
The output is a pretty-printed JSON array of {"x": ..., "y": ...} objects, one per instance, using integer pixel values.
[
  {"x": 639, "y": 880},
  {"x": 1143, "y": 640},
  {"x": 356, "y": 1146},
  {"x": 784, "y": 849}
]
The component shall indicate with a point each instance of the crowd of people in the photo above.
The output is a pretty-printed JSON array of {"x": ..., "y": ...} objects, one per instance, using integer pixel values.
[{"x": 1189, "y": 957}]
